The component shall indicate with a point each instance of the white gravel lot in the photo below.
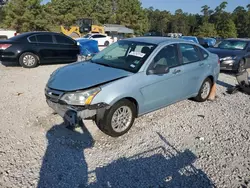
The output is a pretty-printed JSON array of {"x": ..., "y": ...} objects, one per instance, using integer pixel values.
[{"x": 188, "y": 144}]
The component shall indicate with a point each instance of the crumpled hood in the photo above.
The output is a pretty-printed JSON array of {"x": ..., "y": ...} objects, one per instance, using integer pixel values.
[
  {"x": 83, "y": 75},
  {"x": 225, "y": 53}
]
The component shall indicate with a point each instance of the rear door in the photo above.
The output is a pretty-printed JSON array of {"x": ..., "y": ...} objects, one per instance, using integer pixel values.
[
  {"x": 195, "y": 68},
  {"x": 47, "y": 47},
  {"x": 67, "y": 48}
]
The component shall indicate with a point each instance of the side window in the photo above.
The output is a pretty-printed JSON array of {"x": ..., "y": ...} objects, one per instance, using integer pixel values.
[
  {"x": 189, "y": 53},
  {"x": 98, "y": 36},
  {"x": 204, "y": 54},
  {"x": 63, "y": 40},
  {"x": 167, "y": 57},
  {"x": 32, "y": 39},
  {"x": 44, "y": 38}
]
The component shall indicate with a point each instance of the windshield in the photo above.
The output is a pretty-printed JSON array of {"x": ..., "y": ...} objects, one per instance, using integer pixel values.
[
  {"x": 231, "y": 45},
  {"x": 126, "y": 55}
]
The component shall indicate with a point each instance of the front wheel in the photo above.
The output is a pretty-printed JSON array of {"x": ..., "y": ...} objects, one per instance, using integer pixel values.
[
  {"x": 106, "y": 43},
  {"x": 204, "y": 91},
  {"x": 118, "y": 119},
  {"x": 241, "y": 66}
]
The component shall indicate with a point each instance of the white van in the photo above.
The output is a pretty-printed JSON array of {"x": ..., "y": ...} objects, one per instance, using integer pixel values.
[{"x": 6, "y": 34}]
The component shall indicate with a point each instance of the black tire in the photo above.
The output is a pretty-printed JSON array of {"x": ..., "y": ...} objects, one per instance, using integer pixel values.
[
  {"x": 106, "y": 43},
  {"x": 241, "y": 66},
  {"x": 199, "y": 97},
  {"x": 23, "y": 63},
  {"x": 105, "y": 124}
]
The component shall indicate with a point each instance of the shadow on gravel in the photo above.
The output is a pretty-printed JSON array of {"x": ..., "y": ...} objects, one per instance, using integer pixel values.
[
  {"x": 159, "y": 167},
  {"x": 15, "y": 64},
  {"x": 224, "y": 84},
  {"x": 64, "y": 163},
  {"x": 10, "y": 64}
]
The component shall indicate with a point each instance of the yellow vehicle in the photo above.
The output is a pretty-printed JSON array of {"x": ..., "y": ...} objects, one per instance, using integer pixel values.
[{"x": 82, "y": 26}]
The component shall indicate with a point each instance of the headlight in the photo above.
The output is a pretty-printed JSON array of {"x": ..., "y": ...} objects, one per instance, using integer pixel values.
[
  {"x": 81, "y": 97},
  {"x": 229, "y": 58}
]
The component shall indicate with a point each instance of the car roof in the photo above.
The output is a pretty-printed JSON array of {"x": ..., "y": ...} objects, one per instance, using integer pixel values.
[
  {"x": 27, "y": 34},
  {"x": 36, "y": 32},
  {"x": 155, "y": 40}
]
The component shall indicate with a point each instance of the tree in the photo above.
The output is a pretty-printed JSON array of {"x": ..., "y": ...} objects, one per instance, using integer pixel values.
[
  {"x": 158, "y": 20},
  {"x": 221, "y": 7},
  {"x": 227, "y": 29},
  {"x": 248, "y": 6},
  {"x": 24, "y": 15},
  {"x": 206, "y": 30},
  {"x": 179, "y": 23},
  {"x": 241, "y": 21},
  {"x": 206, "y": 12},
  {"x": 131, "y": 14}
]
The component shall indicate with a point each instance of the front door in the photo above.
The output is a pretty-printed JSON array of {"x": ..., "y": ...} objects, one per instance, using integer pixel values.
[
  {"x": 66, "y": 48},
  {"x": 162, "y": 89}
]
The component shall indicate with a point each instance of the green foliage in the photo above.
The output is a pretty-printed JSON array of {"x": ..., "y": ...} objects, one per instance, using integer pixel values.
[
  {"x": 206, "y": 30},
  {"x": 241, "y": 20},
  {"x": 29, "y": 15},
  {"x": 24, "y": 15},
  {"x": 227, "y": 29}
]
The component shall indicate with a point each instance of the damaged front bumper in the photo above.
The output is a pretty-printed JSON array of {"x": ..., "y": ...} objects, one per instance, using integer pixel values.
[{"x": 72, "y": 113}]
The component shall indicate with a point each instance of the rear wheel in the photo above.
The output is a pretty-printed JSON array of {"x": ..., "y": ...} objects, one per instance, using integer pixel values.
[
  {"x": 118, "y": 119},
  {"x": 28, "y": 60},
  {"x": 106, "y": 43},
  {"x": 204, "y": 91}
]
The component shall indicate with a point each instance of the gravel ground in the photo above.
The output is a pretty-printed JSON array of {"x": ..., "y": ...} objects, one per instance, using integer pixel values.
[{"x": 188, "y": 144}]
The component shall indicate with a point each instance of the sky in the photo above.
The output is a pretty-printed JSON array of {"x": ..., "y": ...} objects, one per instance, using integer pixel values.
[{"x": 190, "y": 6}]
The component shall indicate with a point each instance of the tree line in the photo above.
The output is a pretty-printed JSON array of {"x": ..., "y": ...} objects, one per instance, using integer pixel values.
[{"x": 31, "y": 15}]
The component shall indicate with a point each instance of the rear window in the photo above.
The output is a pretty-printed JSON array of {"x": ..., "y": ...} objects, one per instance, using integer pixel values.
[
  {"x": 63, "y": 40},
  {"x": 98, "y": 36},
  {"x": 204, "y": 54},
  {"x": 189, "y": 53},
  {"x": 44, "y": 38}
]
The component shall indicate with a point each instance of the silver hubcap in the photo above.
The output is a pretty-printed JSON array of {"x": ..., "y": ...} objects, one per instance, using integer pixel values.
[
  {"x": 205, "y": 90},
  {"x": 121, "y": 119},
  {"x": 29, "y": 60}
]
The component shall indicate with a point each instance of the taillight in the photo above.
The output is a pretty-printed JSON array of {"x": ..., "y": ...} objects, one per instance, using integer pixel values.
[{"x": 4, "y": 46}]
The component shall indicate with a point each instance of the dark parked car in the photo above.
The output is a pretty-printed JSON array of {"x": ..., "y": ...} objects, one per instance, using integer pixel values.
[
  {"x": 32, "y": 48},
  {"x": 234, "y": 54}
]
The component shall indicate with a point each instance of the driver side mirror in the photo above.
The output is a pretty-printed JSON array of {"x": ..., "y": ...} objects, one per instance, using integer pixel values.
[{"x": 205, "y": 45}]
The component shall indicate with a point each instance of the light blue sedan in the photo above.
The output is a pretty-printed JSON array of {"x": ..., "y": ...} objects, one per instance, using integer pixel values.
[{"x": 130, "y": 78}]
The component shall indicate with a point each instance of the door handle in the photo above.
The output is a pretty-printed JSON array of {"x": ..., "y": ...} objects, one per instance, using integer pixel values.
[{"x": 176, "y": 71}]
